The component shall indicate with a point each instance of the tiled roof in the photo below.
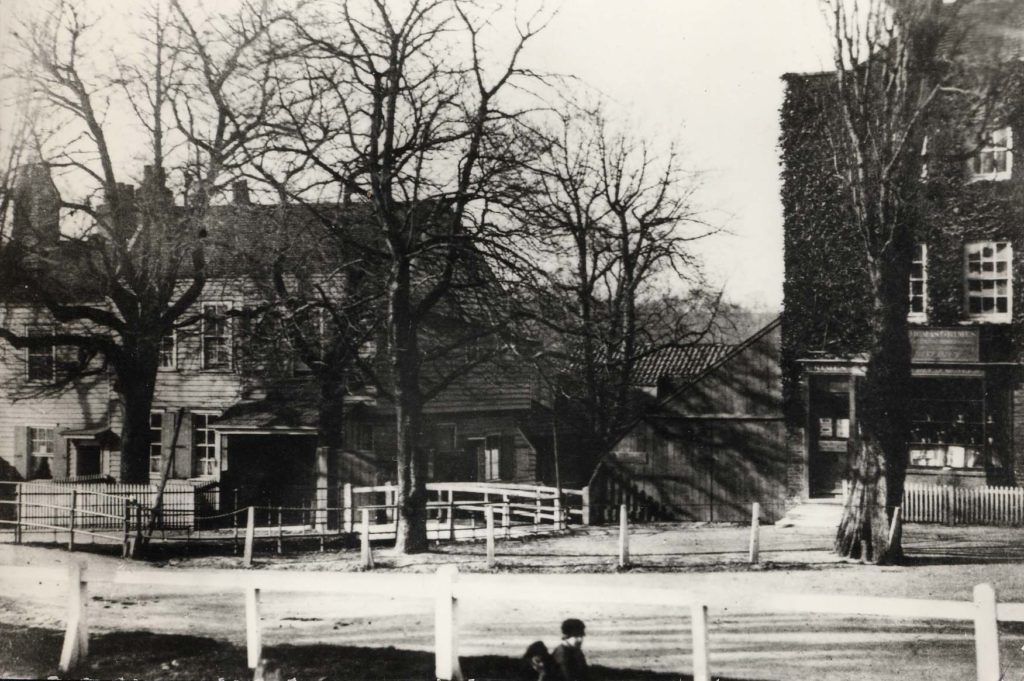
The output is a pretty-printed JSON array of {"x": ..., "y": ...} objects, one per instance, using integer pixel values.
[{"x": 679, "y": 362}]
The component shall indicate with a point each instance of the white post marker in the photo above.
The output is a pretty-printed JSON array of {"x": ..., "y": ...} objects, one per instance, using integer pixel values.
[
  {"x": 623, "y": 537},
  {"x": 699, "y": 625},
  {"x": 489, "y": 514},
  {"x": 253, "y": 640},
  {"x": 585, "y": 501},
  {"x": 755, "y": 532},
  {"x": 986, "y": 633},
  {"x": 506, "y": 518},
  {"x": 366, "y": 553},
  {"x": 346, "y": 494},
  {"x": 76, "y": 635},
  {"x": 446, "y": 627},
  {"x": 250, "y": 529}
]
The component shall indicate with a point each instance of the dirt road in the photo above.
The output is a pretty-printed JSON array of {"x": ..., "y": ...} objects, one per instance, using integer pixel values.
[{"x": 743, "y": 644}]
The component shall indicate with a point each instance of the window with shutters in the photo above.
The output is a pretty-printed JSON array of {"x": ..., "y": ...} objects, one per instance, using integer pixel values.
[
  {"x": 156, "y": 433},
  {"x": 204, "y": 445},
  {"x": 216, "y": 337},
  {"x": 41, "y": 448}
]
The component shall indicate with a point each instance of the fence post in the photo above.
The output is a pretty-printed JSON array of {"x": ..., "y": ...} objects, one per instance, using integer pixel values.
[
  {"x": 126, "y": 549},
  {"x": 538, "y": 504},
  {"x": 558, "y": 513},
  {"x": 506, "y": 518},
  {"x": 699, "y": 626},
  {"x": 896, "y": 527},
  {"x": 76, "y": 636},
  {"x": 755, "y": 532},
  {"x": 17, "y": 513},
  {"x": 489, "y": 515},
  {"x": 280, "y": 531},
  {"x": 986, "y": 633},
  {"x": 366, "y": 553},
  {"x": 349, "y": 511},
  {"x": 586, "y": 505},
  {"x": 253, "y": 641},
  {"x": 451, "y": 515},
  {"x": 623, "y": 537},
  {"x": 446, "y": 632},
  {"x": 388, "y": 508},
  {"x": 250, "y": 530},
  {"x": 71, "y": 520}
]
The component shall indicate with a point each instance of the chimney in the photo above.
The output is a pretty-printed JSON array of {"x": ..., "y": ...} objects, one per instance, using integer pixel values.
[
  {"x": 36, "y": 220},
  {"x": 240, "y": 193}
]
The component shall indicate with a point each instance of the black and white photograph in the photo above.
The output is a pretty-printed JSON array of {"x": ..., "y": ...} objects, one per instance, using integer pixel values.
[{"x": 511, "y": 340}]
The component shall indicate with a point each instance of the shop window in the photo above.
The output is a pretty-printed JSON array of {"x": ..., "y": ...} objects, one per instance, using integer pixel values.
[
  {"x": 156, "y": 426},
  {"x": 919, "y": 284},
  {"x": 994, "y": 158},
  {"x": 952, "y": 426},
  {"x": 41, "y": 448},
  {"x": 204, "y": 446},
  {"x": 989, "y": 280},
  {"x": 41, "y": 360},
  {"x": 492, "y": 458},
  {"x": 216, "y": 339},
  {"x": 168, "y": 351}
]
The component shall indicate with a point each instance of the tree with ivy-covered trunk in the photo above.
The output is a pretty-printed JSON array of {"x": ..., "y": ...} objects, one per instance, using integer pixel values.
[{"x": 892, "y": 64}]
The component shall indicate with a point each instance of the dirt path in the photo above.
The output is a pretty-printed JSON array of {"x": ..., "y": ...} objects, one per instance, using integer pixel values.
[{"x": 743, "y": 644}]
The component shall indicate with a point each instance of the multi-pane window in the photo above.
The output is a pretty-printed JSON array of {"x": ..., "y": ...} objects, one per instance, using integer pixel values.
[
  {"x": 156, "y": 427},
  {"x": 994, "y": 158},
  {"x": 919, "y": 284},
  {"x": 989, "y": 280},
  {"x": 204, "y": 445},
  {"x": 216, "y": 337},
  {"x": 41, "y": 360},
  {"x": 168, "y": 356},
  {"x": 41, "y": 447},
  {"x": 492, "y": 457}
]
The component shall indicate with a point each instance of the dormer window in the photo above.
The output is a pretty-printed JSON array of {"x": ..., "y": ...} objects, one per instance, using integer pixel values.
[
  {"x": 988, "y": 281},
  {"x": 994, "y": 158},
  {"x": 919, "y": 285}
]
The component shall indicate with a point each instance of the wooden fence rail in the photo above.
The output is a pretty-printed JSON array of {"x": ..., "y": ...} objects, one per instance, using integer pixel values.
[
  {"x": 963, "y": 505},
  {"x": 453, "y": 592}
]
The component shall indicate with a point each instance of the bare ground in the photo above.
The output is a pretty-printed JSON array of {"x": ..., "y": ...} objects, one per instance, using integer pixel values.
[{"x": 164, "y": 633}]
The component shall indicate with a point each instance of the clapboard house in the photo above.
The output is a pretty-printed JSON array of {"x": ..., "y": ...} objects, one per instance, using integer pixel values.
[
  {"x": 966, "y": 314},
  {"x": 222, "y": 418}
]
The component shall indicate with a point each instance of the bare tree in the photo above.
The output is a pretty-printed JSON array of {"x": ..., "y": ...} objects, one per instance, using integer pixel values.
[
  {"x": 616, "y": 222},
  {"x": 120, "y": 285}
]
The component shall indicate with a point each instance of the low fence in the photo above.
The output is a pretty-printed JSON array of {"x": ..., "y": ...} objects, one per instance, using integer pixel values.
[
  {"x": 963, "y": 505},
  {"x": 452, "y": 593}
]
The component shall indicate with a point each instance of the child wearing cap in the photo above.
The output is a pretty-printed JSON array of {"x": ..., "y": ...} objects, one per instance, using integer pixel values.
[{"x": 568, "y": 656}]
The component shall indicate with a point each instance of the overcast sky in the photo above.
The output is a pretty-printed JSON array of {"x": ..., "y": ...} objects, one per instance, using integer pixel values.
[{"x": 705, "y": 73}]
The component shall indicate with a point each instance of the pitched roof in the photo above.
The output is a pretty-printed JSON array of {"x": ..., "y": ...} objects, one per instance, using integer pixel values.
[{"x": 679, "y": 362}]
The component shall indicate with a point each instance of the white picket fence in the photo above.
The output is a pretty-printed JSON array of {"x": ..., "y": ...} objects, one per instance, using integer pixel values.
[
  {"x": 453, "y": 592},
  {"x": 963, "y": 505}
]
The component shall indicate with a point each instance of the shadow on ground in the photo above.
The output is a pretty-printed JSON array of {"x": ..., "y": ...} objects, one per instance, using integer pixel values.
[{"x": 27, "y": 652}]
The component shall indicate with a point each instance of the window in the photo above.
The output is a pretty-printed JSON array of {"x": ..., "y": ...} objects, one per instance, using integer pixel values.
[
  {"x": 156, "y": 427},
  {"x": 492, "y": 457},
  {"x": 312, "y": 329},
  {"x": 216, "y": 337},
  {"x": 988, "y": 280},
  {"x": 994, "y": 158},
  {"x": 359, "y": 435},
  {"x": 41, "y": 447},
  {"x": 204, "y": 446},
  {"x": 919, "y": 284},
  {"x": 41, "y": 360},
  {"x": 952, "y": 426},
  {"x": 445, "y": 437},
  {"x": 168, "y": 353}
]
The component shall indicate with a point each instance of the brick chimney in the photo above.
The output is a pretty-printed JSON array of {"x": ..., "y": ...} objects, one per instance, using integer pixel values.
[
  {"x": 240, "y": 193},
  {"x": 36, "y": 220}
]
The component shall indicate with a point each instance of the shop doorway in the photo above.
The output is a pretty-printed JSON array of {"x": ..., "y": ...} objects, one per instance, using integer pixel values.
[{"x": 829, "y": 431}]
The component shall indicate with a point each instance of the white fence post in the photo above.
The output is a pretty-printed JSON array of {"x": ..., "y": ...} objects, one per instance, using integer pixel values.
[
  {"x": 623, "y": 537},
  {"x": 558, "y": 514},
  {"x": 76, "y": 635},
  {"x": 366, "y": 553},
  {"x": 699, "y": 626},
  {"x": 986, "y": 633},
  {"x": 253, "y": 640},
  {"x": 446, "y": 626},
  {"x": 250, "y": 529},
  {"x": 451, "y": 515},
  {"x": 349, "y": 512},
  {"x": 585, "y": 504},
  {"x": 489, "y": 514},
  {"x": 506, "y": 518},
  {"x": 755, "y": 532},
  {"x": 71, "y": 520}
]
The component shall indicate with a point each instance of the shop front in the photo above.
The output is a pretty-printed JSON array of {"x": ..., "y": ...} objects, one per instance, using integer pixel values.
[{"x": 961, "y": 413}]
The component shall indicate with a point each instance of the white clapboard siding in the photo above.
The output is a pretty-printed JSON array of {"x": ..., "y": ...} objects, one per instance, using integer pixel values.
[{"x": 963, "y": 505}]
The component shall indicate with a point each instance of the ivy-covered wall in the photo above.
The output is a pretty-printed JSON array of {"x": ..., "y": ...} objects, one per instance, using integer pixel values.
[{"x": 826, "y": 289}]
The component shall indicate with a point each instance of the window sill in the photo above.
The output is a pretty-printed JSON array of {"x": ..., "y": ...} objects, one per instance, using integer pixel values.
[
  {"x": 986, "y": 320},
  {"x": 990, "y": 177}
]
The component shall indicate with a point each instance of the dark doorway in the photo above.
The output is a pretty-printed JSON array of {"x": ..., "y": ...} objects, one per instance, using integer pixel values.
[
  {"x": 829, "y": 427},
  {"x": 270, "y": 471},
  {"x": 87, "y": 458}
]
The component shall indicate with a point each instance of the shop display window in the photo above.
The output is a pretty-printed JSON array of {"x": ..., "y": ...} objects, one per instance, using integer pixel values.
[{"x": 950, "y": 425}]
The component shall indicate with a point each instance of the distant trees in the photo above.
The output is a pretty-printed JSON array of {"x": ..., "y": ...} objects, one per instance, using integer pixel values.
[{"x": 119, "y": 286}]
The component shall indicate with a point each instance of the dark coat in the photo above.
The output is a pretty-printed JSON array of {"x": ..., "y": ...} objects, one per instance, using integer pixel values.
[{"x": 571, "y": 663}]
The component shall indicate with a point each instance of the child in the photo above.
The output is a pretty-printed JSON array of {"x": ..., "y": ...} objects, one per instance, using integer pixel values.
[{"x": 568, "y": 656}]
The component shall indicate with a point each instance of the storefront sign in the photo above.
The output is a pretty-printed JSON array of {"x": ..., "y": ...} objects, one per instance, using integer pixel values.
[{"x": 944, "y": 345}]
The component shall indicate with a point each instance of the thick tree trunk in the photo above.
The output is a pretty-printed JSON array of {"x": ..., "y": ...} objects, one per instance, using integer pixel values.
[
  {"x": 330, "y": 444},
  {"x": 878, "y": 447},
  {"x": 135, "y": 389}
]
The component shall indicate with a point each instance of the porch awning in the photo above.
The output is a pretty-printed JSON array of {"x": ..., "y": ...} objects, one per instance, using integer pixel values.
[
  {"x": 101, "y": 434},
  {"x": 271, "y": 416}
]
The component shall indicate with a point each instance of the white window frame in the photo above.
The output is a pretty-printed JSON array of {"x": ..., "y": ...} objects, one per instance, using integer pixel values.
[
  {"x": 31, "y": 440},
  {"x": 922, "y": 316},
  {"x": 492, "y": 458},
  {"x": 988, "y": 147},
  {"x": 227, "y": 336},
  {"x": 156, "y": 449},
  {"x": 173, "y": 364},
  {"x": 992, "y": 275},
  {"x": 28, "y": 357},
  {"x": 212, "y": 463}
]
